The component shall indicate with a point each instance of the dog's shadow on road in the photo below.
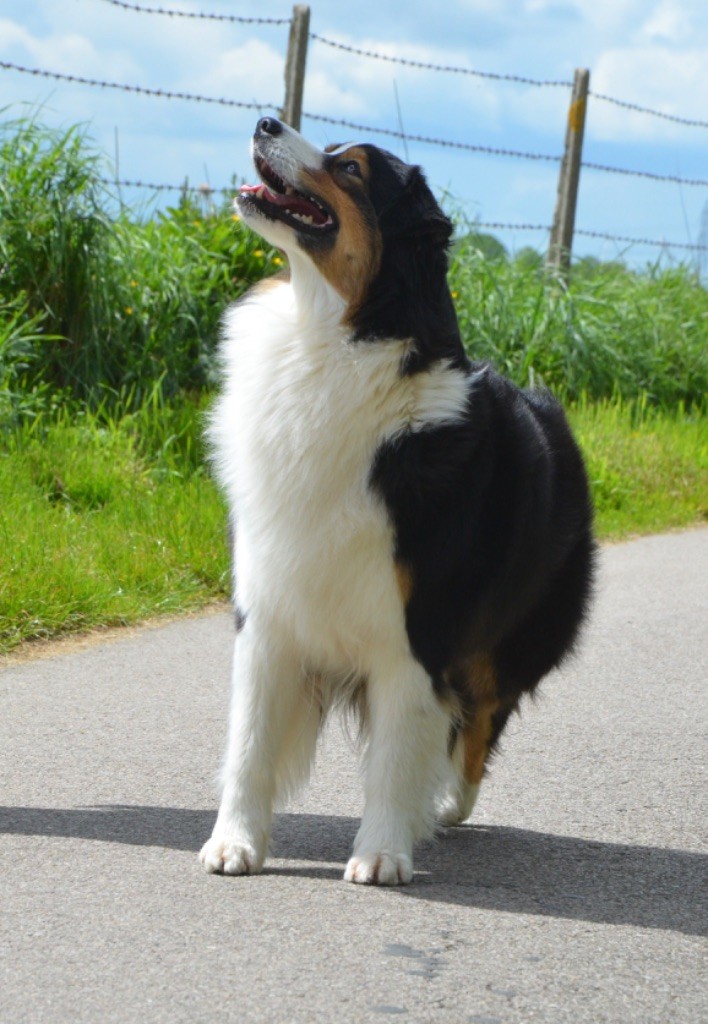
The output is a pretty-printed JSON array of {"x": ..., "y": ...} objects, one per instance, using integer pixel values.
[{"x": 487, "y": 867}]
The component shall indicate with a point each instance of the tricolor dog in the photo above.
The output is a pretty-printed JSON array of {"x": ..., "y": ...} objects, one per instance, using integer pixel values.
[{"x": 412, "y": 532}]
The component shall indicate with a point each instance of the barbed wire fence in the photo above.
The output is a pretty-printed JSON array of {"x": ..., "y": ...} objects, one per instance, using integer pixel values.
[{"x": 570, "y": 163}]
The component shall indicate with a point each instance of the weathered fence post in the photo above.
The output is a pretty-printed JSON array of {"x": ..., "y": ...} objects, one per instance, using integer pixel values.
[
  {"x": 295, "y": 66},
  {"x": 561, "y": 242}
]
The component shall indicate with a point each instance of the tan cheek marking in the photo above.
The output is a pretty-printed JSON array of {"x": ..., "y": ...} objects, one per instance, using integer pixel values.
[{"x": 353, "y": 261}]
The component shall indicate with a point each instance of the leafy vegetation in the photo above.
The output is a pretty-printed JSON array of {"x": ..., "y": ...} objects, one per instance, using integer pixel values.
[
  {"x": 99, "y": 304},
  {"x": 610, "y": 333},
  {"x": 108, "y": 324}
]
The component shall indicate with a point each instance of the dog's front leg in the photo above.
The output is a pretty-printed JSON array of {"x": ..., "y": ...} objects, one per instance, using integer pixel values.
[
  {"x": 405, "y": 756},
  {"x": 264, "y": 692}
]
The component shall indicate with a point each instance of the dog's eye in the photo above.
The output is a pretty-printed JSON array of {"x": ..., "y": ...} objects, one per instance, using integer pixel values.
[{"x": 352, "y": 168}]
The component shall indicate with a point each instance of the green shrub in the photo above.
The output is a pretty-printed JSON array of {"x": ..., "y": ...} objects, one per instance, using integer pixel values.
[
  {"x": 610, "y": 333},
  {"x": 113, "y": 302},
  {"x": 102, "y": 306}
]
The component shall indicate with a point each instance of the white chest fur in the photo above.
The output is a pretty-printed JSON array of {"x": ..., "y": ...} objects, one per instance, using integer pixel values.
[{"x": 295, "y": 432}]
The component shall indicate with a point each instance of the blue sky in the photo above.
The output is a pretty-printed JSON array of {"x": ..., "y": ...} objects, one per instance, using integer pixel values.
[{"x": 650, "y": 52}]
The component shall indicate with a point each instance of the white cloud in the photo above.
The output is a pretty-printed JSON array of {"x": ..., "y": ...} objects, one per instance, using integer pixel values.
[
  {"x": 663, "y": 79},
  {"x": 678, "y": 23},
  {"x": 13, "y": 35},
  {"x": 68, "y": 53},
  {"x": 667, "y": 24},
  {"x": 366, "y": 86},
  {"x": 253, "y": 71},
  {"x": 605, "y": 15},
  {"x": 484, "y": 6}
]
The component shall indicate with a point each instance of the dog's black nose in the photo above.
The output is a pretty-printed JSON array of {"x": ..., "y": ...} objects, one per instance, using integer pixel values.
[{"x": 269, "y": 126}]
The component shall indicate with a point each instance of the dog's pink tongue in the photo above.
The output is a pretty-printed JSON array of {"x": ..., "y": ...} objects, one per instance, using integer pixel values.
[{"x": 294, "y": 203}]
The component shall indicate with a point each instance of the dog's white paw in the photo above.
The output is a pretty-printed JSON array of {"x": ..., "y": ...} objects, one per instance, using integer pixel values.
[
  {"x": 457, "y": 807},
  {"x": 226, "y": 856},
  {"x": 449, "y": 815},
  {"x": 379, "y": 869}
]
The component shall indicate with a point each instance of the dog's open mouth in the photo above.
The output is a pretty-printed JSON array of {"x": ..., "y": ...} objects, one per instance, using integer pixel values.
[{"x": 278, "y": 200}]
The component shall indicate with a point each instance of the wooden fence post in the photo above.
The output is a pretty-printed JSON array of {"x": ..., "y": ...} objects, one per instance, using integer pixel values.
[
  {"x": 561, "y": 243},
  {"x": 295, "y": 66}
]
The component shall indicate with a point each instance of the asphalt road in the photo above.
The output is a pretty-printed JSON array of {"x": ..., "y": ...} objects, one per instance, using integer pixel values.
[{"x": 579, "y": 894}]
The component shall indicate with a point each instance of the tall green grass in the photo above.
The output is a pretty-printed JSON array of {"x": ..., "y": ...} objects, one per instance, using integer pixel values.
[
  {"x": 107, "y": 303},
  {"x": 609, "y": 333},
  {"x": 101, "y": 304}
]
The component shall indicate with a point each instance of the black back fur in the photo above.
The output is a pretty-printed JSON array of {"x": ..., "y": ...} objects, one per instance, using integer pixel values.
[{"x": 492, "y": 515}]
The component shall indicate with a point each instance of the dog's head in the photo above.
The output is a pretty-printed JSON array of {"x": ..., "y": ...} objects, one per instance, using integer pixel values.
[{"x": 367, "y": 222}]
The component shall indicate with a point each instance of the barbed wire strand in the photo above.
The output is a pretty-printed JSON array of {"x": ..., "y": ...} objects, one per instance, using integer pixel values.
[
  {"x": 393, "y": 133},
  {"x": 234, "y": 18},
  {"x": 230, "y": 190},
  {"x": 495, "y": 225},
  {"x": 495, "y": 151},
  {"x": 662, "y": 244},
  {"x": 390, "y": 132},
  {"x": 501, "y": 77},
  {"x": 700, "y": 182},
  {"x": 162, "y": 93},
  {"x": 647, "y": 110},
  {"x": 449, "y": 68},
  {"x": 205, "y": 190},
  {"x": 407, "y": 62}
]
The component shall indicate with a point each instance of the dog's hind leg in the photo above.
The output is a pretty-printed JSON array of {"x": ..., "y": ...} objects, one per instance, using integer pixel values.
[
  {"x": 470, "y": 754},
  {"x": 267, "y": 683},
  {"x": 459, "y": 796}
]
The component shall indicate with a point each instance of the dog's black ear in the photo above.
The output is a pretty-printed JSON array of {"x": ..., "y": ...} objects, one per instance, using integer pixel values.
[
  {"x": 402, "y": 200},
  {"x": 415, "y": 211},
  {"x": 409, "y": 297}
]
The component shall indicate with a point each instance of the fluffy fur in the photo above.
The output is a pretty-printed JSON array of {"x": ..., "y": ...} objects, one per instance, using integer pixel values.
[{"x": 412, "y": 533}]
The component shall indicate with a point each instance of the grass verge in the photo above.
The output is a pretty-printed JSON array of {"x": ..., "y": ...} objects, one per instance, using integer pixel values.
[
  {"x": 110, "y": 520},
  {"x": 648, "y": 468},
  {"x": 105, "y": 522}
]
